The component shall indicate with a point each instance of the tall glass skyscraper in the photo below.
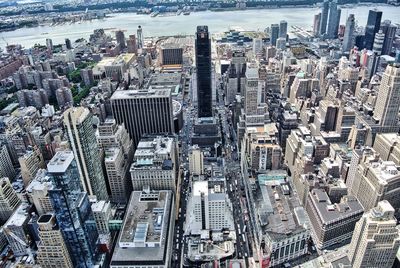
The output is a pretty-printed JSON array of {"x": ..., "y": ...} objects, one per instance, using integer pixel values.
[
  {"x": 73, "y": 210},
  {"x": 373, "y": 25},
  {"x": 203, "y": 66},
  {"x": 324, "y": 17},
  {"x": 82, "y": 138},
  {"x": 348, "y": 39},
  {"x": 334, "y": 19},
  {"x": 274, "y": 34}
]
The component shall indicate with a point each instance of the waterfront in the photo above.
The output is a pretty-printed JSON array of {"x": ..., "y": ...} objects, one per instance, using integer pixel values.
[{"x": 255, "y": 19}]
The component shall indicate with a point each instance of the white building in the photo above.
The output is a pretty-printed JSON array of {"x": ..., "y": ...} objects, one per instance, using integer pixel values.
[
  {"x": 196, "y": 165},
  {"x": 102, "y": 214}
]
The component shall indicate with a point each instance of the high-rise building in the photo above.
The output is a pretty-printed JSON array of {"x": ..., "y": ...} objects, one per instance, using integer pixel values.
[
  {"x": 143, "y": 112},
  {"x": 68, "y": 44},
  {"x": 171, "y": 54},
  {"x": 81, "y": 135},
  {"x": 155, "y": 164},
  {"x": 147, "y": 233},
  {"x": 6, "y": 165},
  {"x": 49, "y": 44},
  {"x": 131, "y": 44},
  {"x": 324, "y": 17},
  {"x": 120, "y": 36},
  {"x": 389, "y": 30},
  {"x": 118, "y": 153},
  {"x": 333, "y": 21},
  {"x": 348, "y": 39},
  {"x": 274, "y": 34},
  {"x": 9, "y": 200},
  {"x": 102, "y": 214},
  {"x": 140, "y": 38},
  {"x": 316, "y": 24},
  {"x": 196, "y": 165},
  {"x": 38, "y": 193},
  {"x": 30, "y": 163},
  {"x": 376, "y": 238},
  {"x": 72, "y": 209},
  {"x": 373, "y": 25},
  {"x": 387, "y": 145},
  {"x": 388, "y": 100},
  {"x": 52, "y": 250},
  {"x": 203, "y": 66},
  {"x": 378, "y": 43},
  {"x": 283, "y": 29}
]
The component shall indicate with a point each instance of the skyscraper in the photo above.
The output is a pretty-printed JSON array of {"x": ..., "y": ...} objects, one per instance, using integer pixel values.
[
  {"x": 82, "y": 138},
  {"x": 140, "y": 37},
  {"x": 283, "y": 29},
  {"x": 348, "y": 39},
  {"x": 324, "y": 17},
  {"x": 52, "y": 250},
  {"x": 378, "y": 43},
  {"x": 143, "y": 112},
  {"x": 68, "y": 44},
  {"x": 120, "y": 36},
  {"x": 274, "y": 34},
  {"x": 388, "y": 100},
  {"x": 203, "y": 66},
  {"x": 390, "y": 33},
  {"x": 9, "y": 200},
  {"x": 72, "y": 209},
  {"x": 373, "y": 25},
  {"x": 131, "y": 44},
  {"x": 317, "y": 23},
  {"x": 376, "y": 239},
  {"x": 333, "y": 21}
]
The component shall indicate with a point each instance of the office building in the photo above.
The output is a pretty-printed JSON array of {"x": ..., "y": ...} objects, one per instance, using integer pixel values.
[
  {"x": 332, "y": 223},
  {"x": 203, "y": 67},
  {"x": 30, "y": 163},
  {"x": 359, "y": 154},
  {"x": 81, "y": 135},
  {"x": 68, "y": 44},
  {"x": 209, "y": 208},
  {"x": 155, "y": 164},
  {"x": 333, "y": 21},
  {"x": 120, "y": 37},
  {"x": 373, "y": 25},
  {"x": 196, "y": 164},
  {"x": 147, "y": 233},
  {"x": 6, "y": 165},
  {"x": 102, "y": 214},
  {"x": 143, "y": 112},
  {"x": 283, "y": 29},
  {"x": 38, "y": 193},
  {"x": 348, "y": 39},
  {"x": 390, "y": 33},
  {"x": 52, "y": 250},
  {"x": 114, "y": 140},
  {"x": 324, "y": 17},
  {"x": 376, "y": 238},
  {"x": 274, "y": 34},
  {"x": 316, "y": 24},
  {"x": 9, "y": 200},
  {"x": 281, "y": 223},
  {"x": 131, "y": 44},
  {"x": 49, "y": 44},
  {"x": 378, "y": 43},
  {"x": 171, "y": 54},
  {"x": 72, "y": 209},
  {"x": 140, "y": 38},
  {"x": 388, "y": 100},
  {"x": 387, "y": 145}
]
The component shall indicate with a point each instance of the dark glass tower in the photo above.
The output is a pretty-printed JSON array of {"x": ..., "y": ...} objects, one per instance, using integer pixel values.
[
  {"x": 373, "y": 25},
  {"x": 203, "y": 66},
  {"x": 324, "y": 17}
]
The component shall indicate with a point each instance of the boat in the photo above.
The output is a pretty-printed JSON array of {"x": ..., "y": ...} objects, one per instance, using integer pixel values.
[
  {"x": 179, "y": 12},
  {"x": 154, "y": 14},
  {"x": 186, "y": 13}
]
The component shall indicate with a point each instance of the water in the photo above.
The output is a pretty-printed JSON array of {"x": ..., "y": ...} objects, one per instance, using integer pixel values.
[{"x": 172, "y": 25}]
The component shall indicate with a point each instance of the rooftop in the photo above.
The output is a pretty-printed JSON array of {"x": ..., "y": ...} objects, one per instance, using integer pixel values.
[
  {"x": 60, "y": 162},
  {"x": 144, "y": 234},
  {"x": 139, "y": 94}
]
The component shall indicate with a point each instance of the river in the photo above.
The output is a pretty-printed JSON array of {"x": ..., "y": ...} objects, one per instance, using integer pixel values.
[{"x": 171, "y": 25}]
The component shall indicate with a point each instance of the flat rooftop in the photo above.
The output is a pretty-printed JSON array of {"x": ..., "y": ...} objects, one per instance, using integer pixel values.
[
  {"x": 60, "y": 162},
  {"x": 139, "y": 94},
  {"x": 143, "y": 239}
]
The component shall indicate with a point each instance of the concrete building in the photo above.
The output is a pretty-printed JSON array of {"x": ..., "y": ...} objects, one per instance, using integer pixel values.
[
  {"x": 52, "y": 250},
  {"x": 332, "y": 223},
  {"x": 376, "y": 238},
  {"x": 131, "y": 44},
  {"x": 36, "y": 98},
  {"x": 387, "y": 145},
  {"x": 281, "y": 223},
  {"x": 143, "y": 112},
  {"x": 38, "y": 193},
  {"x": 209, "y": 208},
  {"x": 64, "y": 97},
  {"x": 196, "y": 164},
  {"x": 81, "y": 135},
  {"x": 359, "y": 154},
  {"x": 6, "y": 165},
  {"x": 155, "y": 164},
  {"x": 30, "y": 163},
  {"x": 9, "y": 200},
  {"x": 118, "y": 153},
  {"x": 87, "y": 76},
  {"x": 171, "y": 54},
  {"x": 378, "y": 43},
  {"x": 102, "y": 214},
  {"x": 144, "y": 242},
  {"x": 377, "y": 180},
  {"x": 113, "y": 67}
]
